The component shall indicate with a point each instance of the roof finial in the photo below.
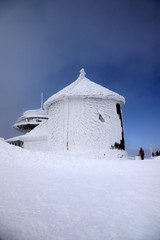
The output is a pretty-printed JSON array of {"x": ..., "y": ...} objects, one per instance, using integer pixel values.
[{"x": 82, "y": 73}]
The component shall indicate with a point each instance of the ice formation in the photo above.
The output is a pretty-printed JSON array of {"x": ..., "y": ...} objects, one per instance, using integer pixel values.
[{"x": 85, "y": 117}]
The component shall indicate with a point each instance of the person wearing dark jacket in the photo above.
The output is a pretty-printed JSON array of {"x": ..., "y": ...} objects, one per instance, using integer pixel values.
[{"x": 141, "y": 153}]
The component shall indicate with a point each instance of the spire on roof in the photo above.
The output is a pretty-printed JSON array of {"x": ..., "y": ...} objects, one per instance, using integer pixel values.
[{"x": 82, "y": 73}]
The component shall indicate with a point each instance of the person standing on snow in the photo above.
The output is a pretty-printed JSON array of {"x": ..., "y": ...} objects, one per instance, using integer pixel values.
[
  {"x": 141, "y": 153},
  {"x": 157, "y": 153}
]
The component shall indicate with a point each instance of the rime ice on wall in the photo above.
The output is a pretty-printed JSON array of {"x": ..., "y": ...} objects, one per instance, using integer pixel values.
[
  {"x": 37, "y": 138},
  {"x": 83, "y": 117}
]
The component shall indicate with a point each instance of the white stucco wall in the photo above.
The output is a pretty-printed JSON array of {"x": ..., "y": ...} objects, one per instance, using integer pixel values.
[{"x": 74, "y": 125}]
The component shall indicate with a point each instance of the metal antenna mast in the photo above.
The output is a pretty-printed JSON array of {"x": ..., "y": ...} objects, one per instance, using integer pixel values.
[{"x": 42, "y": 100}]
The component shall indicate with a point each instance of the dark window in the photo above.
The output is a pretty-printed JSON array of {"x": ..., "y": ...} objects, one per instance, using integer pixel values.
[
  {"x": 120, "y": 145},
  {"x": 101, "y": 118}
]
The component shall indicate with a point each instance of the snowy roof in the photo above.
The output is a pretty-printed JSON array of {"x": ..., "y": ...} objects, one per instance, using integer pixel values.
[
  {"x": 13, "y": 139},
  {"x": 33, "y": 113},
  {"x": 39, "y": 132},
  {"x": 82, "y": 88}
]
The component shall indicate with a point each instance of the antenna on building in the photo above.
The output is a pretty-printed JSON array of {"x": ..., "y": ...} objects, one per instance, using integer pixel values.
[{"x": 42, "y": 100}]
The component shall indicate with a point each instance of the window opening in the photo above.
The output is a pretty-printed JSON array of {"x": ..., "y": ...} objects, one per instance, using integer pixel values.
[{"x": 101, "y": 118}]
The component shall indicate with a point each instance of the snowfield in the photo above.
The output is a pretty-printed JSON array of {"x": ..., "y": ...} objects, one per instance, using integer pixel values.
[{"x": 48, "y": 197}]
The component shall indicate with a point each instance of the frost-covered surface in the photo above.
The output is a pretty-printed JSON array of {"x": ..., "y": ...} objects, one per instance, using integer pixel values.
[
  {"x": 43, "y": 196},
  {"x": 83, "y": 118},
  {"x": 30, "y": 117},
  {"x": 74, "y": 125},
  {"x": 83, "y": 88},
  {"x": 33, "y": 113},
  {"x": 37, "y": 139},
  {"x": 40, "y": 130}
]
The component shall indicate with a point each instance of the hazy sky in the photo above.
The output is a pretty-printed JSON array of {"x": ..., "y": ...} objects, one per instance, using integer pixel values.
[{"x": 44, "y": 44}]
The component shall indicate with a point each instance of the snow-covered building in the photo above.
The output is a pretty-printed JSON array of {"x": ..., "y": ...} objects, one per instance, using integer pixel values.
[
  {"x": 33, "y": 123},
  {"x": 83, "y": 118},
  {"x": 30, "y": 119},
  {"x": 36, "y": 140},
  {"x": 86, "y": 118}
]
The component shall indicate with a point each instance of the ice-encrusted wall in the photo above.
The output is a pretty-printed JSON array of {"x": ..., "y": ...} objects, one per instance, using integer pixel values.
[
  {"x": 84, "y": 125},
  {"x": 36, "y": 145},
  {"x": 37, "y": 139},
  {"x": 56, "y": 126}
]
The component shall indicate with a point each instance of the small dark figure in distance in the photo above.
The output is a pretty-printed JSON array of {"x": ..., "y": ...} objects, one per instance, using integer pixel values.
[
  {"x": 157, "y": 153},
  {"x": 141, "y": 153},
  {"x": 153, "y": 154}
]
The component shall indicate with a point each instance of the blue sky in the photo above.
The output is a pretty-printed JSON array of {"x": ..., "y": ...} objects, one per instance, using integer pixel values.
[{"x": 44, "y": 44}]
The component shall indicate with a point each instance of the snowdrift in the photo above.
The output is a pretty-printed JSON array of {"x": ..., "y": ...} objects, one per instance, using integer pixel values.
[{"x": 43, "y": 196}]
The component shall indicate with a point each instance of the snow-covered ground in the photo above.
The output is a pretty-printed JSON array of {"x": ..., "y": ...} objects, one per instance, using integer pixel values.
[{"x": 43, "y": 196}]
